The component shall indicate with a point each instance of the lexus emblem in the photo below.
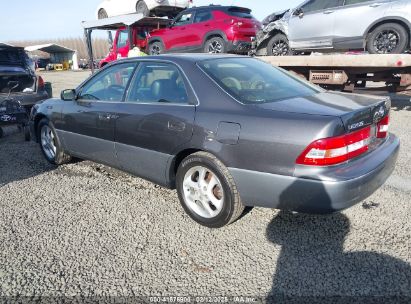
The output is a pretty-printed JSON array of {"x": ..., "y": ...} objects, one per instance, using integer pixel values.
[{"x": 379, "y": 114}]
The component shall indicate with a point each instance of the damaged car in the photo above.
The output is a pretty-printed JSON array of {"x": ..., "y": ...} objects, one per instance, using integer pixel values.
[
  {"x": 20, "y": 87},
  {"x": 378, "y": 27}
]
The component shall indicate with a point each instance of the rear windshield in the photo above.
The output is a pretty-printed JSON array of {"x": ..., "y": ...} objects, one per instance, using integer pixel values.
[
  {"x": 11, "y": 56},
  {"x": 239, "y": 12},
  {"x": 252, "y": 81}
]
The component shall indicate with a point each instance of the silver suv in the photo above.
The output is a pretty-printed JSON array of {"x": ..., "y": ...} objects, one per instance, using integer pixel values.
[{"x": 378, "y": 26}]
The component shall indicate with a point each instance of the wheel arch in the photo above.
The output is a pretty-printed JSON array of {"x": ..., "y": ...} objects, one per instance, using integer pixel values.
[
  {"x": 181, "y": 155},
  {"x": 213, "y": 34},
  {"x": 399, "y": 20},
  {"x": 39, "y": 117},
  {"x": 264, "y": 42}
]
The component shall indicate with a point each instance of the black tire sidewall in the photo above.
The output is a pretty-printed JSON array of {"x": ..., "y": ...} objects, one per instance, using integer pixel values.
[
  {"x": 224, "y": 216},
  {"x": 209, "y": 41},
  {"x": 273, "y": 40},
  {"x": 404, "y": 38},
  {"x": 42, "y": 123},
  {"x": 145, "y": 11}
]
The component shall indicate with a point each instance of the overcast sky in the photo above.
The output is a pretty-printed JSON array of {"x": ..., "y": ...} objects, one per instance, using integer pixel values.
[{"x": 52, "y": 19}]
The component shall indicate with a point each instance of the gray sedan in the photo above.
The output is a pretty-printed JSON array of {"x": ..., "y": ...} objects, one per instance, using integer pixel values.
[{"x": 227, "y": 132}]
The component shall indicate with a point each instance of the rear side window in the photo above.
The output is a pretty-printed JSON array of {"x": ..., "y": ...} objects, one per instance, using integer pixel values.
[
  {"x": 203, "y": 17},
  {"x": 318, "y": 5},
  {"x": 239, "y": 12},
  {"x": 252, "y": 81},
  {"x": 350, "y": 2},
  {"x": 12, "y": 56},
  {"x": 158, "y": 83}
]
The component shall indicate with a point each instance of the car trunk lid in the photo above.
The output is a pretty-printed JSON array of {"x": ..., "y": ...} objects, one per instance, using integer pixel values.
[{"x": 356, "y": 111}]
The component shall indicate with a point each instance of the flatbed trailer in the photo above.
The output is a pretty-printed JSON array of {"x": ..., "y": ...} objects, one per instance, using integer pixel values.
[{"x": 347, "y": 72}]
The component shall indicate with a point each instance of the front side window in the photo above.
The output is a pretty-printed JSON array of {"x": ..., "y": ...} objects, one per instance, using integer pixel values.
[
  {"x": 184, "y": 19},
  {"x": 108, "y": 85},
  {"x": 318, "y": 5},
  {"x": 158, "y": 83},
  {"x": 122, "y": 39},
  {"x": 252, "y": 81}
]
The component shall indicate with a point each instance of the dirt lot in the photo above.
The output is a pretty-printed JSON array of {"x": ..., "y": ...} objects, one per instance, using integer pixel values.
[{"x": 87, "y": 230}]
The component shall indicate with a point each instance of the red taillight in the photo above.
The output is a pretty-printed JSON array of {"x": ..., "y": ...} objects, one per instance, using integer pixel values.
[
  {"x": 335, "y": 150},
  {"x": 382, "y": 127},
  {"x": 40, "y": 84}
]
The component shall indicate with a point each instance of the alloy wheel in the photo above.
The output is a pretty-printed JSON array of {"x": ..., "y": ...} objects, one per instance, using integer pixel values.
[
  {"x": 386, "y": 41},
  {"x": 280, "y": 48},
  {"x": 203, "y": 192},
  {"x": 48, "y": 142},
  {"x": 215, "y": 47},
  {"x": 155, "y": 50}
]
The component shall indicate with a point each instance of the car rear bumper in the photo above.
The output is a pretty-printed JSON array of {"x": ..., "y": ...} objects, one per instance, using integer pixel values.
[
  {"x": 336, "y": 189},
  {"x": 239, "y": 47}
]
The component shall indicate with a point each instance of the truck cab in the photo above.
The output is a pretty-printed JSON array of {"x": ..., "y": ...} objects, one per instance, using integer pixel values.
[{"x": 121, "y": 44}]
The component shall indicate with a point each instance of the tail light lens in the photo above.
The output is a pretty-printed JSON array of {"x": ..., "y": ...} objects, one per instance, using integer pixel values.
[
  {"x": 382, "y": 127},
  {"x": 335, "y": 150},
  {"x": 40, "y": 84}
]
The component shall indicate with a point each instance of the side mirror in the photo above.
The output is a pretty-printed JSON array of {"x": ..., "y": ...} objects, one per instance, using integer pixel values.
[
  {"x": 299, "y": 12},
  {"x": 68, "y": 95}
]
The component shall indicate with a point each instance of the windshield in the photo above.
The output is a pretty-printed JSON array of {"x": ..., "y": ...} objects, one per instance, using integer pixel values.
[{"x": 252, "y": 81}]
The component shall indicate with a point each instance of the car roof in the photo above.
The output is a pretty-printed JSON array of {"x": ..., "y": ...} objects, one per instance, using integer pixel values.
[
  {"x": 186, "y": 57},
  {"x": 215, "y": 7}
]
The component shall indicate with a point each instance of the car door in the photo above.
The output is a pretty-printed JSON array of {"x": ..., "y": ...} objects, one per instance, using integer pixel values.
[
  {"x": 203, "y": 24},
  {"x": 311, "y": 26},
  {"x": 87, "y": 128},
  {"x": 122, "y": 44},
  {"x": 354, "y": 18},
  {"x": 179, "y": 35},
  {"x": 155, "y": 120}
]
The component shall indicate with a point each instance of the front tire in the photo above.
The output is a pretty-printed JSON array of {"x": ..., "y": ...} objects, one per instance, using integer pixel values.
[
  {"x": 215, "y": 45},
  {"x": 50, "y": 144},
  {"x": 207, "y": 191},
  {"x": 141, "y": 8},
  {"x": 278, "y": 46},
  {"x": 388, "y": 38}
]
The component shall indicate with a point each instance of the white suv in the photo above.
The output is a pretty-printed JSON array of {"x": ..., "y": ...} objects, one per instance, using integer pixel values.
[
  {"x": 159, "y": 8},
  {"x": 378, "y": 26}
]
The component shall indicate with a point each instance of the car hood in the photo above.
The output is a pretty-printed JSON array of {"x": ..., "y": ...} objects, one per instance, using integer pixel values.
[
  {"x": 353, "y": 109},
  {"x": 274, "y": 17}
]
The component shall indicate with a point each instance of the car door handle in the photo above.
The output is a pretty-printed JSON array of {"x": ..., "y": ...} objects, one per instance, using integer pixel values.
[
  {"x": 107, "y": 116},
  {"x": 207, "y": 25},
  {"x": 176, "y": 126},
  {"x": 375, "y": 5},
  {"x": 328, "y": 12}
]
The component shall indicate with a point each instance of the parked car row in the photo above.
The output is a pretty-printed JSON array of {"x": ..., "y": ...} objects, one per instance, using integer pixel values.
[
  {"x": 377, "y": 26},
  {"x": 207, "y": 29}
]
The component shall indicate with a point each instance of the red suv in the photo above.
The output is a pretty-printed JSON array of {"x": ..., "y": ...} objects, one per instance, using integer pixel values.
[{"x": 208, "y": 29}]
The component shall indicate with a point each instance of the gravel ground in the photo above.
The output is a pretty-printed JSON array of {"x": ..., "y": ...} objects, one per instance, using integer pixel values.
[{"x": 86, "y": 230}]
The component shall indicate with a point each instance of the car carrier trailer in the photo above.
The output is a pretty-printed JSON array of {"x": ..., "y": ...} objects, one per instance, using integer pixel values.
[
  {"x": 349, "y": 71},
  {"x": 115, "y": 23}
]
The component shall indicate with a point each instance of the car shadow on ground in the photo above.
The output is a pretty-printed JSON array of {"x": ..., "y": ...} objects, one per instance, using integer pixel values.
[
  {"x": 314, "y": 266},
  {"x": 20, "y": 160},
  {"x": 401, "y": 103}
]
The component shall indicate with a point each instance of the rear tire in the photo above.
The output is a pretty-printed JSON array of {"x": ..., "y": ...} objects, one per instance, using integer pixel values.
[
  {"x": 102, "y": 14},
  {"x": 141, "y": 8},
  {"x": 278, "y": 46},
  {"x": 156, "y": 48},
  {"x": 215, "y": 45},
  {"x": 213, "y": 200},
  {"x": 388, "y": 38},
  {"x": 50, "y": 144}
]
